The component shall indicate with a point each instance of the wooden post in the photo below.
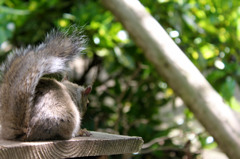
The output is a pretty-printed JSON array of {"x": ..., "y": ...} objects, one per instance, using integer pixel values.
[{"x": 98, "y": 144}]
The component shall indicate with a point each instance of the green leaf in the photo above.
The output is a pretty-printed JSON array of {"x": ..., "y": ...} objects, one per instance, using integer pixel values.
[
  {"x": 4, "y": 9},
  {"x": 234, "y": 104},
  {"x": 228, "y": 88},
  {"x": 124, "y": 59}
]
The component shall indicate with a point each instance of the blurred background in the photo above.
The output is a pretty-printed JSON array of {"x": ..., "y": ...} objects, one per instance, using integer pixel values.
[{"x": 128, "y": 95}]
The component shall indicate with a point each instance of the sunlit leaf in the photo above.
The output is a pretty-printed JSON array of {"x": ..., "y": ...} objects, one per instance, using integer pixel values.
[
  {"x": 209, "y": 51},
  {"x": 235, "y": 105},
  {"x": 238, "y": 28}
]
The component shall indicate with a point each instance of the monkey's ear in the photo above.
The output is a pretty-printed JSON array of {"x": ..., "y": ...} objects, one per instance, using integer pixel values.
[{"x": 87, "y": 90}]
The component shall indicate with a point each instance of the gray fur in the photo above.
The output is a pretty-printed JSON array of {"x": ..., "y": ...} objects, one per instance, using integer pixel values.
[{"x": 29, "y": 108}]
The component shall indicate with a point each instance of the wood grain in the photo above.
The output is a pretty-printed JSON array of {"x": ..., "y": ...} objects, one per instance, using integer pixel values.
[{"x": 96, "y": 145}]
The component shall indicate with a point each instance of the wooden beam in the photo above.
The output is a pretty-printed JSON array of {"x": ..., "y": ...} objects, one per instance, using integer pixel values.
[{"x": 97, "y": 144}]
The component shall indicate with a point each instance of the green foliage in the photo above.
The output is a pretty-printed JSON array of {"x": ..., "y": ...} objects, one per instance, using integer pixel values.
[{"x": 131, "y": 98}]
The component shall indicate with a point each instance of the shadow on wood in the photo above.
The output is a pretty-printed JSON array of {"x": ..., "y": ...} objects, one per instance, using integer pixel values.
[{"x": 98, "y": 144}]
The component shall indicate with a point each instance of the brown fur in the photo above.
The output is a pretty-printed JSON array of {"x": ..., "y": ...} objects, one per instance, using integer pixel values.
[{"x": 32, "y": 108}]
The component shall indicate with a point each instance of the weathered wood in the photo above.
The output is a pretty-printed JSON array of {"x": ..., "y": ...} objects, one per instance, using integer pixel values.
[{"x": 96, "y": 145}]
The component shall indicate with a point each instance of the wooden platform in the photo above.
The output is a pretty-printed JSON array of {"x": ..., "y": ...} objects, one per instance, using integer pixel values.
[{"x": 98, "y": 144}]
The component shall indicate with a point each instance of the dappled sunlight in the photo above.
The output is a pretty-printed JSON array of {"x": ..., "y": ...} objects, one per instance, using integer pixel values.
[
  {"x": 167, "y": 71},
  {"x": 181, "y": 74}
]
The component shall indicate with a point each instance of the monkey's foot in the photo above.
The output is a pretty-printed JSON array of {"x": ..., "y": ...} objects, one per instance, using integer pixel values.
[{"x": 84, "y": 132}]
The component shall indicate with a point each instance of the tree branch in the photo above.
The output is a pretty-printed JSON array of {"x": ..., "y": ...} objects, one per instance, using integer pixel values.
[{"x": 184, "y": 78}]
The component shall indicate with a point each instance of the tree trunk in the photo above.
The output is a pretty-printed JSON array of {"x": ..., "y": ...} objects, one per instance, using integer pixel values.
[{"x": 181, "y": 75}]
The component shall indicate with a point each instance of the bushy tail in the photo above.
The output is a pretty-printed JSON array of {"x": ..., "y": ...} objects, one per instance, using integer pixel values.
[{"x": 22, "y": 72}]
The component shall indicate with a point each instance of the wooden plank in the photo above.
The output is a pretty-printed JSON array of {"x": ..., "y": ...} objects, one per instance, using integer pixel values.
[{"x": 96, "y": 145}]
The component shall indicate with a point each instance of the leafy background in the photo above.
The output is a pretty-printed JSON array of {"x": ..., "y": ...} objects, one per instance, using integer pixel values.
[{"x": 128, "y": 96}]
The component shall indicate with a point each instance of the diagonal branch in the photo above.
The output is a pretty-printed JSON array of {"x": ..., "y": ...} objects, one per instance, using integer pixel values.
[{"x": 184, "y": 78}]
